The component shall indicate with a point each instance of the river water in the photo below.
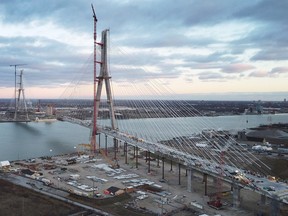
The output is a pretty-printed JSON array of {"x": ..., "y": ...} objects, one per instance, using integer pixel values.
[{"x": 35, "y": 139}]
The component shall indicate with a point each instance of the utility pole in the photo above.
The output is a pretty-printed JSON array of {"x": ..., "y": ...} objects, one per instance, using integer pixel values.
[{"x": 15, "y": 90}]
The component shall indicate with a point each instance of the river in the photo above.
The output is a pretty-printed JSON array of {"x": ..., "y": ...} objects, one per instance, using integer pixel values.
[{"x": 35, "y": 139}]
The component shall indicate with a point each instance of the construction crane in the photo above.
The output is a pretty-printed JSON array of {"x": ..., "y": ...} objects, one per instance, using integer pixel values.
[{"x": 98, "y": 84}]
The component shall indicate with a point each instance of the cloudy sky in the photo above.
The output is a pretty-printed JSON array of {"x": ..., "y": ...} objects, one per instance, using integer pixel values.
[{"x": 203, "y": 49}]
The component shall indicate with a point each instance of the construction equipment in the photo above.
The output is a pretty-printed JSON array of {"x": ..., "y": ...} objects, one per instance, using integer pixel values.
[
  {"x": 215, "y": 200},
  {"x": 113, "y": 164}
]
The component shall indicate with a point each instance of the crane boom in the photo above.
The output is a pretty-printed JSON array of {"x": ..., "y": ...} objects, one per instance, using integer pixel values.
[{"x": 94, "y": 14}]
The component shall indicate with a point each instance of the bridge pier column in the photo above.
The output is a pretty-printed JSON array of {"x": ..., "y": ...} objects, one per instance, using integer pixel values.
[
  {"x": 261, "y": 210},
  {"x": 215, "y": 180},
  {"x": 171, "y": 166},
  {"x": 179, "y": 173},
  {"x": 236, "y": 196},
  {"x": 274, "y": 206},
  {"x": 146, "y": 152},
  {"x": 149, "y": 162},
  {"x": 125, "y": 152},
  {"x": 106, "y": 150},
  {"x": 99, "y": 141},
  {"x": 118, "y": 145},
  {"x": 263, "y": 199},
  {"x": 115, "y": 147},
  {"x": 162, "y": 167},
  {"x": 136, "y": 157},
  {"x": 189, "y": 179},
  {"x": 205, "y": 183}
]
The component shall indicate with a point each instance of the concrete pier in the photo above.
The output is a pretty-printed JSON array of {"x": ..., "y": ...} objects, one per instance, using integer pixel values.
[
  {"x": 149, "y": 162},
  {"x": 179, "y": 174},
  {"x": 189, "y": 179},
  {"x": 136, "y": 157},
  {"x": 115, "y": 141},
  {"x": 205, "y": 183},
  {"x": 126, "y": 152},
  {"x": 106, "y": 150},
  {"x": 274, "y": 206},
  {"x": 163, "y": 167},
  {"x": 236, "y": 196}
]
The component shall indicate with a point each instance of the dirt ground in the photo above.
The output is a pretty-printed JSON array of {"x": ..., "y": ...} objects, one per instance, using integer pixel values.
[{"x": 17, "y": 200}]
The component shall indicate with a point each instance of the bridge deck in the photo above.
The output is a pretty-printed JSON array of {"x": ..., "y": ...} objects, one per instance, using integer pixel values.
[{"x": 186, "y": 157}]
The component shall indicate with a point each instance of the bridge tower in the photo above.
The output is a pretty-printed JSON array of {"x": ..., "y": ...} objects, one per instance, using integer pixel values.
[
  {"x": 21, "y": 106},
  {"x": 99, "y": 80}
]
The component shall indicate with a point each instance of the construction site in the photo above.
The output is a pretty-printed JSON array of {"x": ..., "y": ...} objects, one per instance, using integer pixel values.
[
  {"x": 120, "y": 188},
  {"x": 172, "y": 175}
]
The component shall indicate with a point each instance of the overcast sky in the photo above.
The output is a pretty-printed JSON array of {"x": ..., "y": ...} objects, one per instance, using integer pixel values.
[{"x": 205, "y": 49}]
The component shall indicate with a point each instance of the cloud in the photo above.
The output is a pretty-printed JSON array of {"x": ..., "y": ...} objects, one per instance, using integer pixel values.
[
  {"x": 211, "y": 76},
  {"x": 278, "y": 71},
  {"x": 215, "y": 40},
  {"x": 236, "y": 68},
  {"x": 271, "y": 54},
  {"x": 258, "y": 73}
]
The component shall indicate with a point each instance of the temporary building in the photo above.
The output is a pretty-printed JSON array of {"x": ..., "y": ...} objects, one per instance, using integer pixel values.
[
  {"x": 111, "y": 190},
  {"x": 4, "y": 164}
]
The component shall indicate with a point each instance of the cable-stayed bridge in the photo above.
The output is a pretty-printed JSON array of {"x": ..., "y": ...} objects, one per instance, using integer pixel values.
[{"x": 214, "y": 152}]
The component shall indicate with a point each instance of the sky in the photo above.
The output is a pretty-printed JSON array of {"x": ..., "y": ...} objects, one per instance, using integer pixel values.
[{"x": 199, "y": 49}]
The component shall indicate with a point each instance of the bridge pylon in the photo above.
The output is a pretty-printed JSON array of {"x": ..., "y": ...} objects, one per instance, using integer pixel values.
[
  {"x": 99, "y": 80},
  {"x": 21, "y": 105}
]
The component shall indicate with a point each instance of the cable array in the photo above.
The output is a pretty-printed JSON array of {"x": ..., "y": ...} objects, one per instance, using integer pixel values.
[{"x": 142, "y": 112}]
